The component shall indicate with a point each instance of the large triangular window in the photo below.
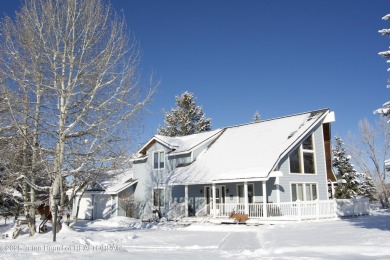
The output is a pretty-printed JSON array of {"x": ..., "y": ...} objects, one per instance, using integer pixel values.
[{"x": 302, "y": 159}]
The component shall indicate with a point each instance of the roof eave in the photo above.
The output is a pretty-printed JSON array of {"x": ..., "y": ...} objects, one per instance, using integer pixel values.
[
  {"x": 129, "y": 184},
  {"x": 250, "y": 179},
  {"x": 154, "y": 139}
]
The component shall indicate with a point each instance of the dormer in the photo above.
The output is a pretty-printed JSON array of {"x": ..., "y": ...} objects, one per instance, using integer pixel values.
[{"x": 183, "y": 150}]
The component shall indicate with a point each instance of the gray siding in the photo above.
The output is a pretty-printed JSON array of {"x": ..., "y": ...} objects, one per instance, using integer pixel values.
[
  {"x": 196, "y": 196},
  {"x": 201, "y": 148},
  {"x": 149, "y": 178},
  {"x": 319, "y": 177},
  {"x": 175, "y": 160}
]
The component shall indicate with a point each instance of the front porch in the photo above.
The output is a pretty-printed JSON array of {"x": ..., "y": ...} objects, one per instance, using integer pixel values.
[
  {"x": 248, "y": 197},
  {"x": 290, "y": 211},
  {"x": 252, "y": 199}
]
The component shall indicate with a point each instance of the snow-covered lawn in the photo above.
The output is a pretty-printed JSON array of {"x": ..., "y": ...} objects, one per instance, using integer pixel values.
[{"x": 365, "y": 237}]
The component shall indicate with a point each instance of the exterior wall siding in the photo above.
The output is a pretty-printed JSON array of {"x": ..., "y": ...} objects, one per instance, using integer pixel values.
[
  {"x": 201, "y": 148},
  {"x": 127, "y": 193},
  {"x": 150, "y": 178},
  {"x": 176, "y": 160},
  {"x": 319, "y": 177}
]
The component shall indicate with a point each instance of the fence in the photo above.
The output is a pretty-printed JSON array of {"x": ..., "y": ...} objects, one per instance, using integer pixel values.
[
  {"x": 298, "y": 210},
  {"x": 353, "y": 207}
]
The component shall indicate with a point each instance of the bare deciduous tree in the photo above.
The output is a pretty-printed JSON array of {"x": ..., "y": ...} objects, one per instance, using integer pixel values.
[
  {"x": 370, "y": 152},
  {"x": 74, "y": 67}
]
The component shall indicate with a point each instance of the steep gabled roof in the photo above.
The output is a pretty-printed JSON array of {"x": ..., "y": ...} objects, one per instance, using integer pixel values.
[
  {"x": 180, "y": 144},
  {"x": 248, "y": 151}
]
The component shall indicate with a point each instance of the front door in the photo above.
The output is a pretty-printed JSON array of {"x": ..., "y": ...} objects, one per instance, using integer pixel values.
[{"x": 220, "y": 196}]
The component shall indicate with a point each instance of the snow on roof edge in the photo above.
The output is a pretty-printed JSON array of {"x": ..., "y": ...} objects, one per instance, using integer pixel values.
[
  {"x": 277, "y": 118},
  {"x": 164, "y": 142},
  {"x": 297, "y": 140}
]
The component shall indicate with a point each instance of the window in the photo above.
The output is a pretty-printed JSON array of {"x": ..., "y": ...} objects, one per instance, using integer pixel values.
[
  {"x": 302, "y": 158},
  {"x": 158, "y": 160},
  {"x": 158, "y": 197},
  {"x": 240, "y": 191},
  {"x": 297, "y": 192},
  {"x": 295, "y": 165},
  {"x": 311, "y": 191},
  {"x": 303, "y": 191}
]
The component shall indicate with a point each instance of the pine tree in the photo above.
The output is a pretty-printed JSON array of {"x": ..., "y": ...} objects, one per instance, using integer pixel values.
[
  {"x": 367, "y": 187},
  {"x": 256, "y": 117},
  {"x": 385, "y": 110},
  {"x": 349, "y": 184},
  {"x": 187, "y": 118}
]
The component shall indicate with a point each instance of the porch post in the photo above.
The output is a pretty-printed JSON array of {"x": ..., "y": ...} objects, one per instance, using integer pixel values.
[
  {"x": 264, "y": 188},
  {"x": 277, "y": 190},
  {"x": 332, "y": 188},
  {"x": 186, "y": 200},
  {"x": 246, "y": 206},
  {"x": 214, "y": 204}
]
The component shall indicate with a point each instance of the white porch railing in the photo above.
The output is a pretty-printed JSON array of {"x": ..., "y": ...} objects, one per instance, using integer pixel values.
[{"x": 299, "y": 210}]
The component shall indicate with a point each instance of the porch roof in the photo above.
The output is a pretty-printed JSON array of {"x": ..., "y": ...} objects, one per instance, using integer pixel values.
[{"x": 249, "y": 151}]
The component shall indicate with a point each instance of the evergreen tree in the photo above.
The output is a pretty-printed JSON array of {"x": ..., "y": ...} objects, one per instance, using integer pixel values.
[
  {"x": 367, "y": 187},
  {"x": 385, "y": 110},
  {"x": 349, "y": 185},
  {"x": 187, "y": 118},
  {"x": 256, "y": 117}
]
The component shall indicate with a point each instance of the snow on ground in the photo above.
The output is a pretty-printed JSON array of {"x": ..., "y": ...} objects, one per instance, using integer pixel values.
[{"x": 366, "y": 237}]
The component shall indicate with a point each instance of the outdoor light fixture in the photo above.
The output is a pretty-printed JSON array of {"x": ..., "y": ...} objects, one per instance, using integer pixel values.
[
  {"x": 201, "y": 191},
  {"x": 56, "y": 200},
  {"x": 227, "y": 190}
]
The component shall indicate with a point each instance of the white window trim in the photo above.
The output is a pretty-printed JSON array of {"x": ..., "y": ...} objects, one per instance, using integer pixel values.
[
  {"x": 304, "y": 190},
  {"x": 238, "y": 195},
  {"x": 211, "y": 191},
  {"x": 301, "y": 151},
  {"x": 159, "y": 159},
  {"x": 159, "y": 188}
]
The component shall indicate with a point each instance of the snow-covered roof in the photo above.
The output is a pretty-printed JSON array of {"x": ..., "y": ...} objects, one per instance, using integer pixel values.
[
  {"x": 112, "y": 182},
  {"x": 180, "y": 144},
  {"x": 248, "y": 151},
  {"x": 119, "y": 182}
]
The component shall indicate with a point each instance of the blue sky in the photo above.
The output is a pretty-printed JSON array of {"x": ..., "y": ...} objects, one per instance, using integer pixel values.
[{"x": 278, "y": 57}]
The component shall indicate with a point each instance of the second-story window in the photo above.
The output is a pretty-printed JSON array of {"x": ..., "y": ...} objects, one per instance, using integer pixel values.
[
  {"x": 302, "y": 158},
  {"x": 158, "y": 160}
]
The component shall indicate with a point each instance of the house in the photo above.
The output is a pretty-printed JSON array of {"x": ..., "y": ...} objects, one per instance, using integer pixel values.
[
  {"x": 277, "y": 168},
  {"x": 260, "y": 169},
  {"x": 105, "y": 197}
]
